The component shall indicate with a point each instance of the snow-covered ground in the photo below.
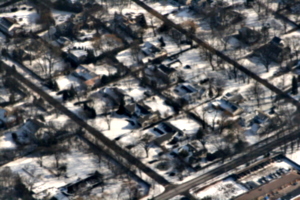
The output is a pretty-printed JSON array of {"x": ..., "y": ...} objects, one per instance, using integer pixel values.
[
  {"x": 25, "y": 15},
  {"x": 60, "y": 16},
  {"x": 256, "y": 176},
  {"x": 6, "y": 142},
  {"x": 157, "y": 103},
  {"x": 225, "y": 189},
  {"x": 79, "y": 165},
  {"x": 117, "y": 127},
  {"x": 188, "y": 126}
]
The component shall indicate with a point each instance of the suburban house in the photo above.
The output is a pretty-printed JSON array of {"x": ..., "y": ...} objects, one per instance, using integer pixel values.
[
  {"x": 248, "y": 36},
  {"x": 170, "y": 72},
  {"x": 63, "y": 41},
  {"x": 115, "y": 97},
  {"x": 137, "y": 109},
  {"x": 149, "y": 49},
  {"x": 85, "y": 184},
  {"x": 275, "y": 51},
  {"x": 198, "y": 149},
  {"x": 77, "y": 55},
  {"x": 165, "y": 128},
  {"x": 188, "y": 92},
  {"x": 137, "y": 19},
  {"x": 152, "y": 53},
  {"x": 147, "y": 120},
  {"x": 83, "y": 73},
  {"x": 261, "y": 121},
  {"x": 140, "y": 114},
  {"x": 27, "y": 132},
  {"x": 227, "y": 107},
  {"x": 225, "y": 17},
  {"x": 161, "y": 75},
  {"x": 9, "y": 26},
  {"x": 9, "y": 117},
  {"x": 128, "y": 24},
  {"x": 202, "y": 6},
  {"x": 94, "y": 82},
  {"x": 235, "y": 98},
  {"x": 64, "y": 29},
  {"x": 192, "y": 152}
]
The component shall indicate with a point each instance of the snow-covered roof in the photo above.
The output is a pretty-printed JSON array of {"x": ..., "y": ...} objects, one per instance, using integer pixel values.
[
  {"x": 79, "y": 53},
  {"x": 84, "y": 73}
]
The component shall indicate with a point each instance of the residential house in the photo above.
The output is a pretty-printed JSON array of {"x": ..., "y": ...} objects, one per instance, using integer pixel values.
[
  {"x": 225, "y": 17},
  {"x": 77, "y": 55},
  {"x": 152, "y": 53},
  {"x": 141, "y": 114},
  {"x": 261, "y": 122},
  {"x": 138, "y": 109},
  {"x": 86, "y": 184},
  {"x": 160, "y": 76},
  {"x": 27, "y": 132},
  {"x": 94, "y": 82},
  {"x": 275, "y": 51},
  {"x": 128, "y": 24},
  {"x": 149, "y": 49},
  {"x": 80, "y": 17},
  {"x": 9, "y": 117},
  {"x": 260, "y": 117},
  {"x": 115, "y": 96},
  {"x": 188, "y": 92},
  {"x": 235, "y": 98},
  {"x": 137, "y": 19},
  {"x": 83, "y": 73},
  {"x": 63, "y": 41},
  {"x": 146, "y": 120},
  {"x": 227, "y": 107},
  {"x": 202, "y": 6},
  {"x": 170, "y": 72},
  {"x": 198, "y": 149},
  {"x": 248, "y": 36},
  {"x": 9, "y": 26},
  {"x": 166, "y": 128},
  {"x": 191, "y": 152},
  {"x": 64, "y": 29}
]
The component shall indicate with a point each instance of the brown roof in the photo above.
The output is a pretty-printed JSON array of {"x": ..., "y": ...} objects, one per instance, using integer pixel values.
[
  {"x": 280, "y": 187},
  {"x": 93, "y": 81}
]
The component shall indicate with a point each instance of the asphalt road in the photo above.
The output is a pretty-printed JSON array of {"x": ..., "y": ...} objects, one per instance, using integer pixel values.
[
  {"x": 246, "y": 157},
  {"x": 111, "y": 148}
]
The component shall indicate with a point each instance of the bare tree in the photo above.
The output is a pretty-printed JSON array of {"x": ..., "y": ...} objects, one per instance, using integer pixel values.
[
  {"x": 59, "y": 155},
  {"x": 11, "y": 186},
  {"x": 40, "y": 160},
  {"x": 111, "y": 41},
  {"x": 176, "y": 36},
  {"x": 49, "y": 57},
  {"x": 257, "y": 91},
  {"x": 107, "y": 112},
  {"x": 135, "y": 51},
  {"x": 97, "y": 43},
  {"x": 266, "y": 60},
  {"x": 146, "y": 139}
]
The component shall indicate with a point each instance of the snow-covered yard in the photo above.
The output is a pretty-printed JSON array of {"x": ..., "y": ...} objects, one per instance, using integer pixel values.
[
  {"x": 225, "y": 189},
  {"x": 39, "y": 173}
]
